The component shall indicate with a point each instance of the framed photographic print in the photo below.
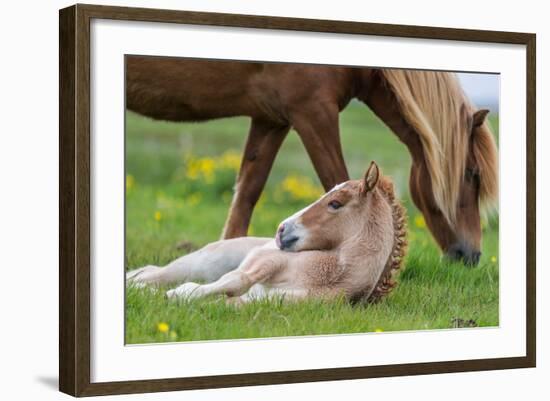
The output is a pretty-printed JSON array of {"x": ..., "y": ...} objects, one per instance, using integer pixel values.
[{"x": 250, "y": 200}]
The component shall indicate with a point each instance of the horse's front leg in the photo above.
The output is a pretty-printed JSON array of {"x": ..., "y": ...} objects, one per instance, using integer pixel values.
[
  {"x": 258, "y": 267},
  {"x": 263, "y": 143},
  {"x": 317, "y": 125}
]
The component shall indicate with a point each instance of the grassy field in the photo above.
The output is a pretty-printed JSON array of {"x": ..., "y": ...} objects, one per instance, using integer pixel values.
[{"x": 179, "y": 186}]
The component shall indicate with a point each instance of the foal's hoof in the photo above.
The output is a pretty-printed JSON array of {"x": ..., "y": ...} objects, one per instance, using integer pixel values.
[
  {"x": 143, "y": 275},
  {"x": 185, "y": 291}
]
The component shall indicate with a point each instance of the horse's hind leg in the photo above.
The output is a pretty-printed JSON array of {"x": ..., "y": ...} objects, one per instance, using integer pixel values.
[
  {"x": 206, "y": 264},
  {"x": 317, "y": 125},
  {"x": 263, "y": 143}
]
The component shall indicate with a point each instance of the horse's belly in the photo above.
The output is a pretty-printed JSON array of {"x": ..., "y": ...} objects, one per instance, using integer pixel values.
[{"x": 177, "y": 107}]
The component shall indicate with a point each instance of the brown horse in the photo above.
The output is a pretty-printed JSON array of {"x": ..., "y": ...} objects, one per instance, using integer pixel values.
[
  {"x": 348, "y": 243},
  {"x": 454, "y": 155}
]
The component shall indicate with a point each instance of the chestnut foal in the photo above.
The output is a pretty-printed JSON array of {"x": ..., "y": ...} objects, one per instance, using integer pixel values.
[{"x": 348, "y": 243}]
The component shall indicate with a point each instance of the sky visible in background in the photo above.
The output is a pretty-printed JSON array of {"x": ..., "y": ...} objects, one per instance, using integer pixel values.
[{"x": 482, "y": 89}]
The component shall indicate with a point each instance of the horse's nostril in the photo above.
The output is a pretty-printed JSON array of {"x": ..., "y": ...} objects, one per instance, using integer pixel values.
[
  {"x": 471, "y": 258},
  {"x": 279, "y": 235},
  {"x": 455, "y": 253},
  {"x": 474, "y": 259},
  {"x": 284, "y": 237},
  {"x": 463, "y": 253}
]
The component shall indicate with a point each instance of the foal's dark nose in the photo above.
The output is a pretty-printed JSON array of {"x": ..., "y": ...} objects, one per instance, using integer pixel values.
[
  {"x": 465, "y": 253},
  {"x": 279, "y": 235},
  {"x": 284, "y": 238}
]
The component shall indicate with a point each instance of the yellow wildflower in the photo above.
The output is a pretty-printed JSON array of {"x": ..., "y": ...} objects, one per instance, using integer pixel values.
[
  {"x": 163, "y": 327},
  {"x": 230, "y": 160},
  {"x": 207, "y": 168},
  {"x": 300, "y": 188},
  {"x": 130, "y": 181},
  {"x": 378, "y": 330},
  {"x": 202, "y": 168},
  {"x": 419, "y": 221},
  {"x": 493, "y": 259},
  {"x": 158, "y": 216},
  {"x": 192, "y": 171}
]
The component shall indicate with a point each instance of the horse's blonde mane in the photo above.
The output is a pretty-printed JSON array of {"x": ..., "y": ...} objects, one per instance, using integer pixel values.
[{"x": 433, "y": 103}]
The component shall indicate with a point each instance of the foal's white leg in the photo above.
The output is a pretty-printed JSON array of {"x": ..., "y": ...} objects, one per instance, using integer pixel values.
[
  {"x": 207, "y": 264},
  {"x": 258, "y": 292},
  {"x": 260, "y": 265},
  {"x": 233, "y": 283}
]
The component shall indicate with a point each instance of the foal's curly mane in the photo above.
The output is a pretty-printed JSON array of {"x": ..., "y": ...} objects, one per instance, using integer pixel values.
[{"x": 399, "y": 216}]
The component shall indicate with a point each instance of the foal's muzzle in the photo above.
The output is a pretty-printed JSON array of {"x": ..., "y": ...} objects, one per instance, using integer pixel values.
[
  {"x": 461, "y": 251},
  {"x": 284, "y": 238}
]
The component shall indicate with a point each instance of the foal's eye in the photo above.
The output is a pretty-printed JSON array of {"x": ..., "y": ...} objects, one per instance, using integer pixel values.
[{"x": 334, "y": 204}]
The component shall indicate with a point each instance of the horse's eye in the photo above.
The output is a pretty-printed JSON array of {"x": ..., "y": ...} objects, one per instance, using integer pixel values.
[
  {"x": 471, "y": 174},
  {"x": 334, "y": 204}
]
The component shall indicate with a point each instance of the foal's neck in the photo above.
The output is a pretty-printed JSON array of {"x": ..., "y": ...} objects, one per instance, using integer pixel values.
[
  {"x": 363, "y": 257},
  {"x": 373, "y": 241}
]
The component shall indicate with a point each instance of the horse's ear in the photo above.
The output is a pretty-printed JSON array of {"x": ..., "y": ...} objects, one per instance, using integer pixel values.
[
  {"x": 371, "y": 178},
  {"x": 480, "y": 116}
]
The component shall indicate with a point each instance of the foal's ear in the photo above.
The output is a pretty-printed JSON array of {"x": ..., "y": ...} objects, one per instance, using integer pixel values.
[
  {"x": 371, "y": 178},
  {"x": 479, "y": 117}
]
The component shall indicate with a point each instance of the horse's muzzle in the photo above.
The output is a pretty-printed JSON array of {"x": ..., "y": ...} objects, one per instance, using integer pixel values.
[
  {"x": 284, "y": 237},
  {"x": 464, "y": 253}
]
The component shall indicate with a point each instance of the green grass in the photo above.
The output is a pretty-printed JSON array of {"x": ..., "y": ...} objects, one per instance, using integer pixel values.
[{"x": 165, "y": 209}]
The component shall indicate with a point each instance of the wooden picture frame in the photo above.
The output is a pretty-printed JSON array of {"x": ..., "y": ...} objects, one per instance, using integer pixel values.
[{"x": 74, "y": 203}]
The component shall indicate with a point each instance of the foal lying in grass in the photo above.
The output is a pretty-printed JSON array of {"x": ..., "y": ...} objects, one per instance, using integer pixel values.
[{"x": 348, "y": 243}]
